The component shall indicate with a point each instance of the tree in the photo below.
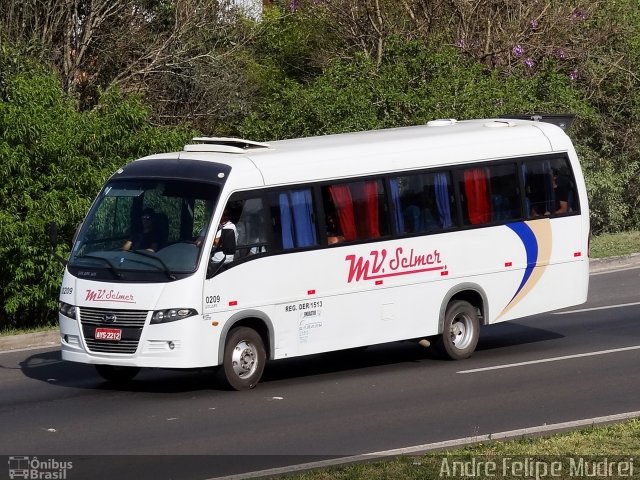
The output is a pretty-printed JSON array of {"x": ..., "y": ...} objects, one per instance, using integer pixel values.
[
  {"x": 54, "y": 160},
  {"x": 185, "y": 55},
  {"x": 412, "y": 85},
  {"x": 594, "y": 46}
]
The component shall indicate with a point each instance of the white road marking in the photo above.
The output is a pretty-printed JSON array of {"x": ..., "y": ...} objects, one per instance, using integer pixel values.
[
  {"x": 34, "y": 347},
  {"x": 614, "y": 269},
  {"x": 597, "y": 308},
  {"x": 552, "y": 359},
  {"x": 429, "y": 447}
]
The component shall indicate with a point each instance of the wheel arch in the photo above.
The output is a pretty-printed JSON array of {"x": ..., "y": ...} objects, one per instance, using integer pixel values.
[
  {"x": 254, "y": 319},
  {"x": 471, "y": 293}
]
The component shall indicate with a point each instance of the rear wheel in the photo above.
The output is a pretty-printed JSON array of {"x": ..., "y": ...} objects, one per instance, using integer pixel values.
[
  {"x": 117, "y": 374},
  {"x": 244, "y": 359},
  {"x": 461, "y": 331}
]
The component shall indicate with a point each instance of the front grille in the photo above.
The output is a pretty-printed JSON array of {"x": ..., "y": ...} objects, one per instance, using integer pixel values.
[
  {"x": 123, "y": 346},
  {"x": 123, "y": 318},
  {"x": 129, "y": 321}
]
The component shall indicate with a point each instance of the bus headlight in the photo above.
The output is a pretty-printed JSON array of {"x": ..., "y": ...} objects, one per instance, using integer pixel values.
[
  {"x": 172, "y": 314},
  {"x": 67, "y": 310}
]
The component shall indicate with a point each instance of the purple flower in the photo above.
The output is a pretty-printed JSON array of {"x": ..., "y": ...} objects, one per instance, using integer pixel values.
[
  {"x": 460, "y": 43},
  {"x": 517, "y": 51},
  {"x": 294, "y": 4},
  {"x": 534, "y": 24},
  {"x": 561, "y": 54},
  {"x": 579, "y": 14},
  {"x": 529, "y": 63},
  {"x": 573, "y": 75}
]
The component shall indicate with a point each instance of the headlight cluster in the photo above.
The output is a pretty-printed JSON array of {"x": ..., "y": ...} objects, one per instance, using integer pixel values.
[
  {"x": 67, "y": 310},
  {"x": 172, "y": 314}
]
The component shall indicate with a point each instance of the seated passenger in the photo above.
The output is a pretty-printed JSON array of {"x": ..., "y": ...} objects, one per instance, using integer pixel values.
[
  {"x": 147, "y": 238},
  {"x": 219, "y": 254},
  {"x": 333, "y": 232},
  {"x": 561, "y": 188}
]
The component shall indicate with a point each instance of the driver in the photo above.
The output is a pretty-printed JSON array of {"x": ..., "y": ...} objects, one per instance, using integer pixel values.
[{"x": 146, "y": 239}]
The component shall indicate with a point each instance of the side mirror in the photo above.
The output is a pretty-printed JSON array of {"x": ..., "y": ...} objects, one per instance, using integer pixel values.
[
  {"x": 227, "y": 246},
  {"x": 228, "y": 241}
]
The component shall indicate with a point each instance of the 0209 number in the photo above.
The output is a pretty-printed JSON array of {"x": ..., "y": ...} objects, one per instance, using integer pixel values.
[{"x": 212, "y": 299}]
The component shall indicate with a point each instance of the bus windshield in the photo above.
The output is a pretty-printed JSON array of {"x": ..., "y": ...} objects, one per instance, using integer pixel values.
[{"x": 145, "y": 227}]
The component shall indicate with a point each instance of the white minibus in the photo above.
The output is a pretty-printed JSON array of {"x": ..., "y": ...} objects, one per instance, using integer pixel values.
[{"x": 233, "y": 252}]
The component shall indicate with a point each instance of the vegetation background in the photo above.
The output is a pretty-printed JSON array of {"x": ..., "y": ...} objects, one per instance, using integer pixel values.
[{"x": 88, "y": 85}]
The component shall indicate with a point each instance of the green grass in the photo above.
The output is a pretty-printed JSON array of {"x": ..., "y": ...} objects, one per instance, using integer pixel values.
[
  {"x": 617, "y": 442},
  {"x": 19, "y": 331},
  {"x": 615, "y": 244}
]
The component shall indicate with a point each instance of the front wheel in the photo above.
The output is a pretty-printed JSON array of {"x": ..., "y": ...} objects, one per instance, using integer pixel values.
[
  {"x": 461, "y": 331},
  {"x": 244, "y": 359},
  {"x": 117, "y": 374}
]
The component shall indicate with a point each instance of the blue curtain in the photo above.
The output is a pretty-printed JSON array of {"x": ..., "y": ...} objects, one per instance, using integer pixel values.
[
  {"x": 395, "y": 195},
  {"x": 500, "y": 206},
  {"x": 442, "y": 199},
  {"x": 303, "y": 218},
  {"x": 286, "y": 221},
  {"x": 296, "y": 215}
]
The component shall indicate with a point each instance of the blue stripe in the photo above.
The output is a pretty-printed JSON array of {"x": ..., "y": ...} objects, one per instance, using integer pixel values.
[{"x": 528, "y": 239}]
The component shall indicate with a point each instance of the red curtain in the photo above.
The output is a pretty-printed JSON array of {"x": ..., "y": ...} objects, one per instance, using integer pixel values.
[
  {"x": 477, "y": 193},
  {"x": 341, "y": 197},
  {"x": 372, "y": 228}
]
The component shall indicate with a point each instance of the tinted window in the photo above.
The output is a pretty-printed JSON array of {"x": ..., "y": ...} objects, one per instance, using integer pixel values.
[
  {"x": 355, "y": 210},
  {"x": 274, "y": 220},
  {"x": 423, "y": 203},
  {"x": 489, "y": 194},
  {"x": 550, "y": 188}
]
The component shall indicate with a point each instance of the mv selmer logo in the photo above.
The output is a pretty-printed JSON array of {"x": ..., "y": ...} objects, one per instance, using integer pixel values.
[
  {"x": 103, "y": 295},
  {"x": 383, "y": 263}
]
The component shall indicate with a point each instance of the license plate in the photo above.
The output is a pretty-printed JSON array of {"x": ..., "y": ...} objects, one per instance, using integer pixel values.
[{"x": 108, "y": 334}]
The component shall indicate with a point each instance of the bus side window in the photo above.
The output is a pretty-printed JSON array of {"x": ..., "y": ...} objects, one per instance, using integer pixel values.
[
  {"x": 550, "y": 187},
  {"x": 276, "y": 220},
  {"x": 490, "y": 194},
  {"x": 422, "y": 202},
  {"x": 252, "y": 226},
  {"x": 475, "y": 196},
  {"x": 565, "y": 197},
  {"x": 539, "y": 187},
  {"x": 505, "y": 193},
  {"x": 297, "y": 220},
  {"x": 358, "y": 208}
]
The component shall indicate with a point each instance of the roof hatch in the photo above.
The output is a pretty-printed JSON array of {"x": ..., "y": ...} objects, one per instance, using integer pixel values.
[
  {"x": 224, "y": 145},
  {"x": 563, "y": 121},
  {"x": 442, "y": 122}
]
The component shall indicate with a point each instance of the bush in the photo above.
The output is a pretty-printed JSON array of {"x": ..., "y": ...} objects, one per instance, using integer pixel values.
[
  {"x": 55, "y": 160},
  {"x": 413, "y": 84}
]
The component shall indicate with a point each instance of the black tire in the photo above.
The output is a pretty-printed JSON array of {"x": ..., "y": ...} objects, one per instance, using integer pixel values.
[
  {"x": 117, "y": 374},
  {"x": 460, "y": 331},
  {"x": 244, "y": 359}
]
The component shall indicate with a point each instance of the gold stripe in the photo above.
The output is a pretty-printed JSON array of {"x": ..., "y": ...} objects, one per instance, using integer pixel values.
[{"x": 542, "y": 232}]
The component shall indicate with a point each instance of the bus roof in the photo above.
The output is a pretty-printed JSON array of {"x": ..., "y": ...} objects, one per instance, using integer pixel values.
[{"x": 440, "y": 142}]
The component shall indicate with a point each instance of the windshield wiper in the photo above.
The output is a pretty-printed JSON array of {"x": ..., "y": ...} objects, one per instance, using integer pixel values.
[
  {"x": 112, "y": 266},
  {"x": 165, "y": 268}
]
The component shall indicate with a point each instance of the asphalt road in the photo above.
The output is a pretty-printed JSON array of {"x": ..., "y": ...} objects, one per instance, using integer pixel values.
[{"x": 171, "y": 424}]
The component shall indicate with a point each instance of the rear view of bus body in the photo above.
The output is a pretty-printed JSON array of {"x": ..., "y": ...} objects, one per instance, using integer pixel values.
[{"x": 331, "y": 243}]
